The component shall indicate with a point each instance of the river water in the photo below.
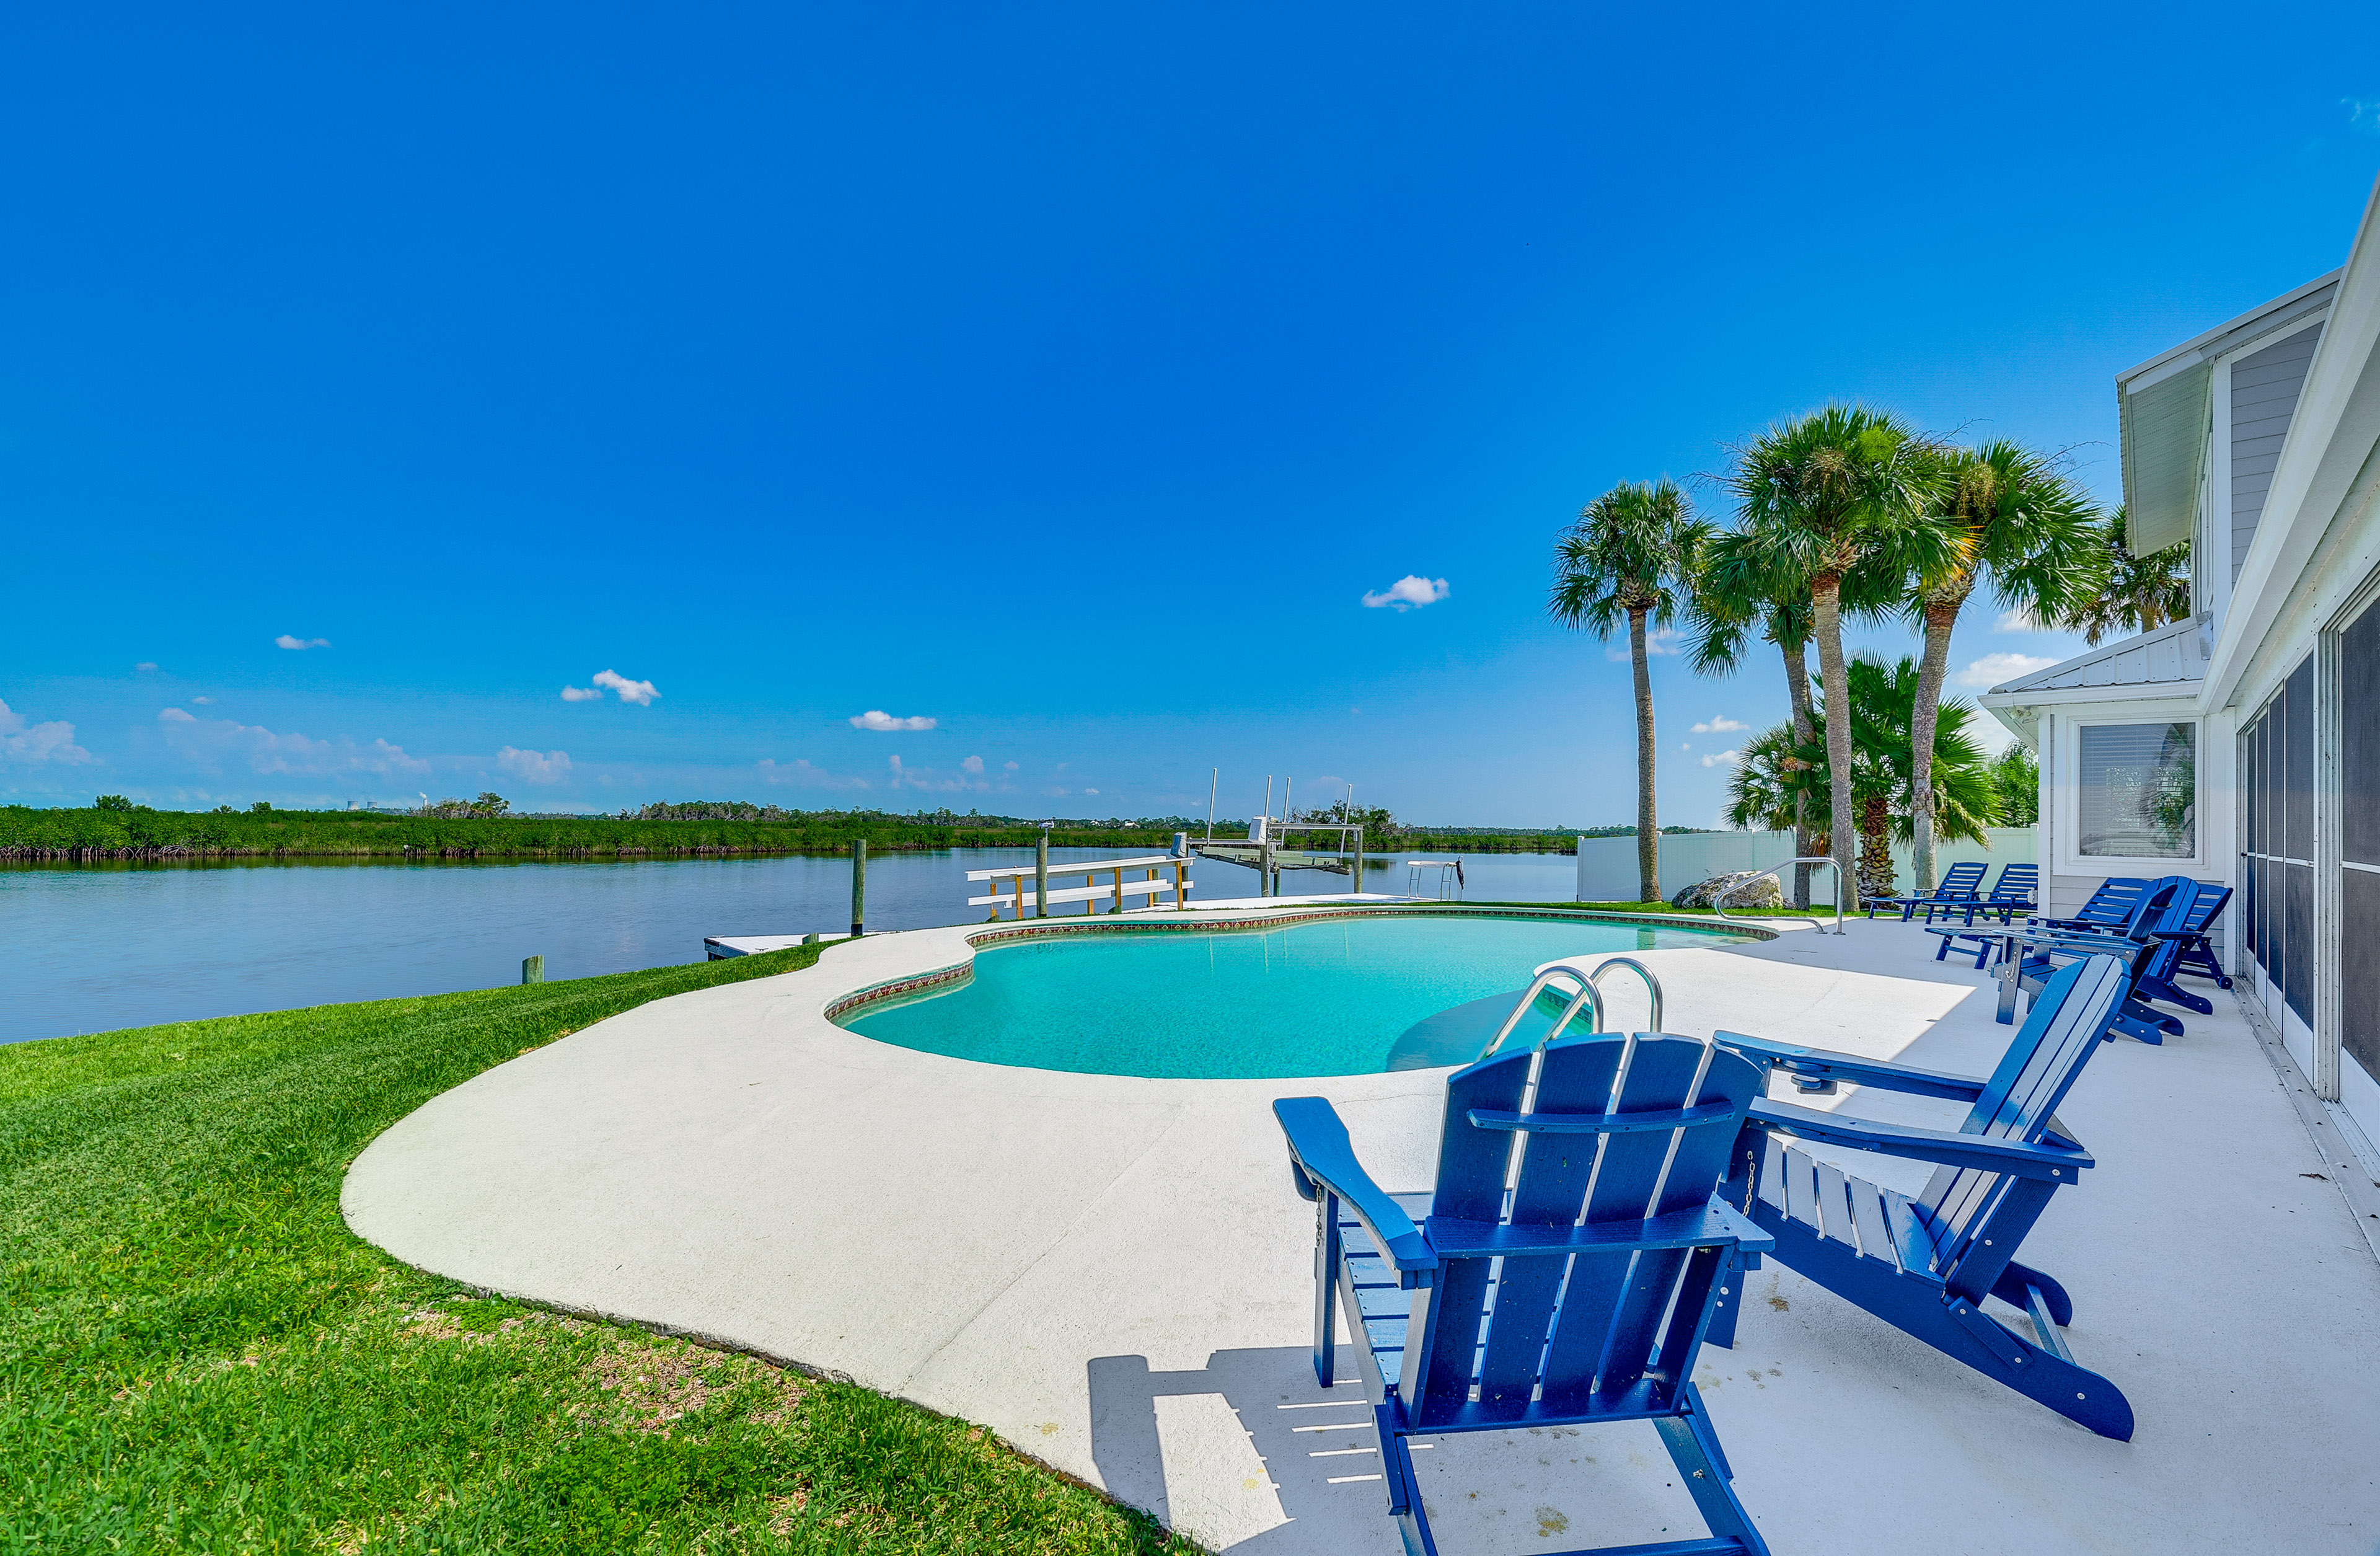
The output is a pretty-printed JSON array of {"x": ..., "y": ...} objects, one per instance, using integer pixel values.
[{"x": 88, "y": 948}]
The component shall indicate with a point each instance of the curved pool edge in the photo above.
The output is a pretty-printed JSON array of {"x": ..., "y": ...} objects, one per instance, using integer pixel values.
[{"x": 932, "y": 978}]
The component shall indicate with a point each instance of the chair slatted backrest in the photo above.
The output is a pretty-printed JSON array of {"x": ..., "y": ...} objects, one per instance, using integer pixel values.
[
  {"x": 2060, "y": 1034},
  {"x": 2210, "y": 902},
  {"x": 2113, "y": 905},
  {"x": 1550, "y": 1336},
  {"x": 2164, "y": 909},
  {"x": 2017, "y": 883},
  {"x": 1959, "y": 881}
]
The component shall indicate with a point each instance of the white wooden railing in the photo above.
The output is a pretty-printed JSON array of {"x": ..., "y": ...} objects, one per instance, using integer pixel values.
[{"x": 1020, "y": 897}]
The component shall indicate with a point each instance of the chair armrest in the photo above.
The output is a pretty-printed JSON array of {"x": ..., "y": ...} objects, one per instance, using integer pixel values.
[
  {"x": 1945, "y": 1147},
  {"x": 1714, "y": 1224},
  {"x": 1320, "y": 1154},
  {"x": 1826, "y": 1064}
]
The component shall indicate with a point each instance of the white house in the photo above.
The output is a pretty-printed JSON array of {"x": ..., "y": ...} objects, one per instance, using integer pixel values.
[{"x": 2242, "y": 747}]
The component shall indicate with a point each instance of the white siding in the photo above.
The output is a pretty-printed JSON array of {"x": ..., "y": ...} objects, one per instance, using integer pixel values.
[{"x": 2264, "y": 386}]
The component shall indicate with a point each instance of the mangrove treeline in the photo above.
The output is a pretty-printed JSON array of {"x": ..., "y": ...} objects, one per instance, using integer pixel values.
[{"x": 122, "y": 831}]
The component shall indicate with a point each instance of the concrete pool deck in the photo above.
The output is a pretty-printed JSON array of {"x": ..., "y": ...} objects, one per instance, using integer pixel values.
[{"x": 1115, "y": 1275}]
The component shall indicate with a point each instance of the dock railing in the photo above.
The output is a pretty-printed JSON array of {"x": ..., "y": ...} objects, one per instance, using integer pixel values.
[{"x": 1021, "y": 900}]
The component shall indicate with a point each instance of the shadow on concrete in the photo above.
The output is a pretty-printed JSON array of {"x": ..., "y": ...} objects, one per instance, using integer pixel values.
[{"x": 1289, "y": 1421}]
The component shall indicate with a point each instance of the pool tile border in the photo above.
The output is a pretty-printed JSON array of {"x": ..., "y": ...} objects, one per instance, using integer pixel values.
[{"x": 977, "y": 940}]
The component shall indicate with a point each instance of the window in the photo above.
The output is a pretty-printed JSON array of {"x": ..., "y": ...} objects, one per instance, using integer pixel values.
[{"x": 2138, "y": 789}]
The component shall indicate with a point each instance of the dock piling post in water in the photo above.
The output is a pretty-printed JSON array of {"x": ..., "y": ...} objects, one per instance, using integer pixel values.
[
  {"x": 1041, "y": 879},
  {"x": 858, "y": 885},
  {"x": 533, "y": 968}
]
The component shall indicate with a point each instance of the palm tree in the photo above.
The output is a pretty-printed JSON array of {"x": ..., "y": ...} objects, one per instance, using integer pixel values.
[
  {"x": 2016, "y": 516},
  {"x": 1823, "y": 499},
  {"x": 1779, "y": 775},
  {"x": 2139, "y": 594},
  {"x": 1631, "y": 557}
]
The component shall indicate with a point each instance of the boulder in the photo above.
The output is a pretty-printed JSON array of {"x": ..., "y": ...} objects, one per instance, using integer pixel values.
[{"x": 1759, "y": 891}]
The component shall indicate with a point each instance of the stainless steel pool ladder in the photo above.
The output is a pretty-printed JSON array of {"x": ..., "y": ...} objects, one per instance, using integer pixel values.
[{"x": 1590, "y": 993}]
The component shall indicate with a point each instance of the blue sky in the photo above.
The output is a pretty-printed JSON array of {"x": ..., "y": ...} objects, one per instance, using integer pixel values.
[{"x": 1067, "y": 377}]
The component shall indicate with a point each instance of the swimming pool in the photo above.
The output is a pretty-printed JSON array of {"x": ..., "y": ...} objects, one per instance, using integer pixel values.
[{"x": 1344, "y": 994}]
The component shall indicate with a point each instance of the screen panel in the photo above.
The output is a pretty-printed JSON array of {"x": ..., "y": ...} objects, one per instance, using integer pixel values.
[
  {"x": 2359, "y": 742},
  {"x": 2359, "y": 1005},
  {"x": 2298, "y": 766},
  {"x": 2297, "y": 975}
]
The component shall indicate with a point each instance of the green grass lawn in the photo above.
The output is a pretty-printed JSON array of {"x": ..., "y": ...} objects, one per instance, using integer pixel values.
[{"x": 197, "y": 1355}]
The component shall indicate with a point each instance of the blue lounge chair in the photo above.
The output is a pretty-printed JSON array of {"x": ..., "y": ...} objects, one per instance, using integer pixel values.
[
  {"x": 1925, "y": 1264},
  {"x": 1603, "y": 1228},
  {"x": 1957, "y": 889},
  {"x": 2012, "y": 894},
  {"x": 2112, "y": 909},
  {"x": 2113, "y": 906},
  {"x": 2153, "y": 951},
  {"x": 2198, "y": 952}
]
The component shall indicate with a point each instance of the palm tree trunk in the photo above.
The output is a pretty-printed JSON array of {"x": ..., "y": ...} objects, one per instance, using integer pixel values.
[
  {"x": 1649, "y": 831},
  {"x": 1827, "y": 607},
  {"x": 1797, "y": 693},
  {"x": 1876, "y": 847},
  {"x": 1941, "y": 616}
]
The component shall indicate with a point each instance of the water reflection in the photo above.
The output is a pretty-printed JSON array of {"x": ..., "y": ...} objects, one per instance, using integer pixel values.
[{"x": 122, "y": 943}]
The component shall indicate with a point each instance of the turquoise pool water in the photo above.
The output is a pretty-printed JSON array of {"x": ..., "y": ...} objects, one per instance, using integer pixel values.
[{"x": 1332, "y": 997}]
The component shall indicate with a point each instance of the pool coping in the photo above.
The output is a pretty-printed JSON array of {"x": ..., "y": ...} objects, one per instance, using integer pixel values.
[{"x": 1176, "y": 921}]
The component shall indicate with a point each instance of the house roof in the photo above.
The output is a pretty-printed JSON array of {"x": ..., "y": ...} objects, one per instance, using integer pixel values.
[
  {"x": 2172, "y": 657},
  {"x": 2163, "y": 407}
]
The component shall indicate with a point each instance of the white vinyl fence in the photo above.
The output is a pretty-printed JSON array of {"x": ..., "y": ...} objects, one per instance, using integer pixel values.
[{"x": 1607, "y": 865}]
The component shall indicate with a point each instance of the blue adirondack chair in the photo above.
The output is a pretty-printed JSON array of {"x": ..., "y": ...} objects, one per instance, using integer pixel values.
[
  {"x": 2012, "y": 894},
  {"x": 2153, "y": 949},
  {"x": 2112, "y": 909},
  {"x": 1956, "y": 890},
  {"x": 1925, "y": 1264},
  {"x": 1610, "y": 1242},
  {"x": 2113, "y": 905},
  {"x": 2198, "y": 952}
]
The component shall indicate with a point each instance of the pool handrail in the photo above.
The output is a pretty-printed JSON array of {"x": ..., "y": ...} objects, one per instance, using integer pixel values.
[
  {"x": 1719, "y": 903},
  {"x": 1587, "y": 995},
  {"x": 1652, "y": 985}
]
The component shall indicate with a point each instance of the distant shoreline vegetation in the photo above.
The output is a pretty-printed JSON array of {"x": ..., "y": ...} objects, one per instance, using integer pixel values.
[{"x": 483, "y": 828}]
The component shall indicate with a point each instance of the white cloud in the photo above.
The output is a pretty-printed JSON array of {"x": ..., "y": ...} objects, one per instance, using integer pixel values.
[
  {"x": 2362, "y": 114},
  {"x": 1993, "y": 669},
  {"x": 1008, "y": 766},
  {"x": 1722, "y": 759},
  {"x": 582, "y": 694},
  {"x": 287, "y": 641},
  {"x": 1658, "y": 641},
  {"x": 642, "y": 693},
  {"x": 883, "y": 723},
  {"x": 210, "y": 742},
  {"x": 1407, "y": 593},
  {"x": 1090, "y": 791},
  {"x": 535, "y": 767},
  {"x": 973, "y": 764},
  {"x": 2021, "y": 620},
  {"x": 146, "y": 664},
  {"x": 202, "y": 701},
  {"x": 1720, "y": 725},
  {"x": 1686, "y": 745},
  {"x": 32, "y": 743}
]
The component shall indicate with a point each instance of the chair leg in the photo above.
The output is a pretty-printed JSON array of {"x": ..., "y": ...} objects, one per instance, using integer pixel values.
[
  {"x": 1326, "y": 1253},
  {"x": 1703, "y": 1470}
]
